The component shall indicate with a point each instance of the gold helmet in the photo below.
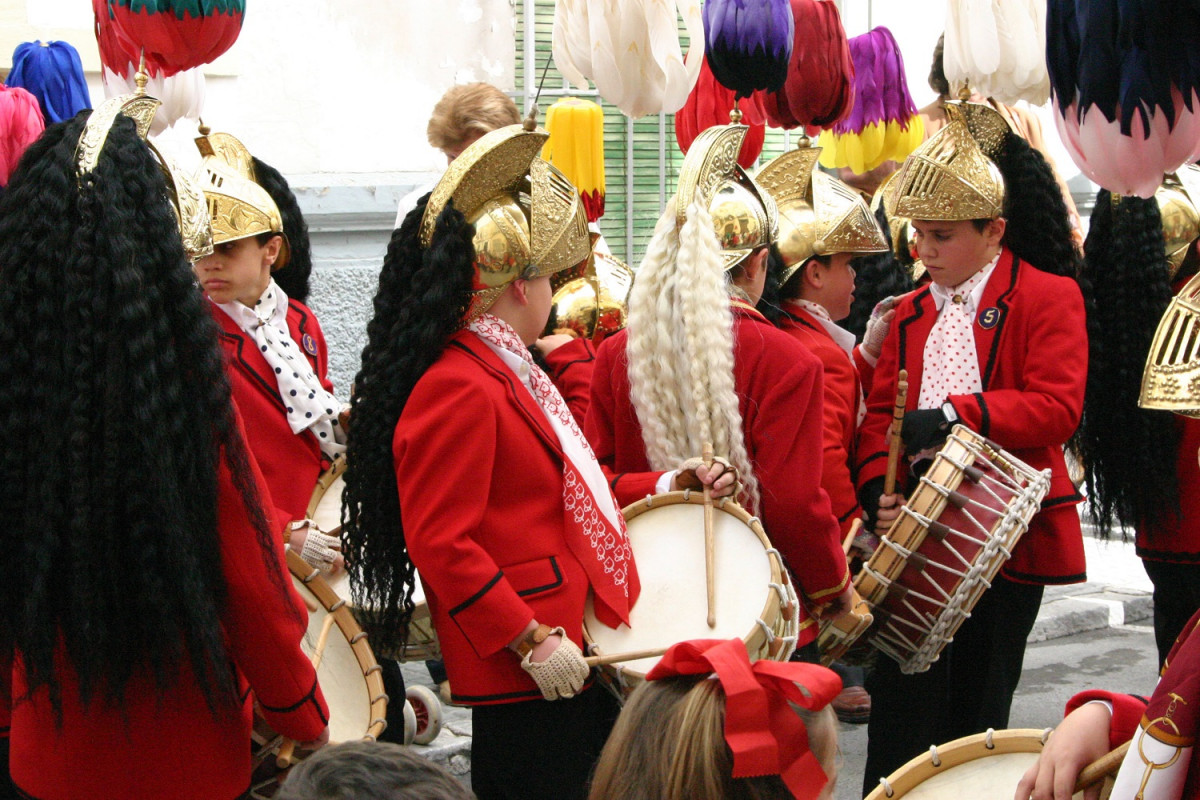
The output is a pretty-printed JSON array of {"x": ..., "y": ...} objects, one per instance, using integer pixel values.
[
  {"x": 1171, "y": 380},
  {"x": 819, "y": 215},
  {"x": 950, "y": 177},
  {"x": 904, "y": 235},
  {"x": 591, "y": 300},
  {"x": 187, "y": 201},
  {"x": 528, "y": 219},
  {"x": 744, "y": 215},
  {"x": 239, "y": 207},
  {"x": 1177, "y": 203}
]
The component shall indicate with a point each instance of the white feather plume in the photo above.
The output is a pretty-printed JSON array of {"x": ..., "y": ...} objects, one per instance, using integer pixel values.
[{"x": 999, "y": 48}]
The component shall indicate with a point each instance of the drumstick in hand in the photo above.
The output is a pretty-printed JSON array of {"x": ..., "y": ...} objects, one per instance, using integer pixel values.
[
  {"x": 283, "y": 759},
  {"x": 849, "y": 540},
  {"x": 889, "y": 480},
  {"x": 709, "y": 555},
  {"x": 1098, "y": 770},
  {"x": 633, "y": 655}
]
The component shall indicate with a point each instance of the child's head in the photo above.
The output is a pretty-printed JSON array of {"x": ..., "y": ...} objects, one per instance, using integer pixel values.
[
  {"x": 370, "y": 769},
  {"x": 672, "y": 740}
]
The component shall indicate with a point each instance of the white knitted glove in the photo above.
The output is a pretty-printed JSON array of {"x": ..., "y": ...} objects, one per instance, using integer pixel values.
[
  {"x": 563, "y": 672},
  {"x": 877, "y": 326},
  {"x": 685, "y": 474},
  {"x": 319, "y": 550}
]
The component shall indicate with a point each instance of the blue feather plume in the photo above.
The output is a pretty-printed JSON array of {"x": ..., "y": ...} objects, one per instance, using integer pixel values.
[{"x": 53, "y": 73}]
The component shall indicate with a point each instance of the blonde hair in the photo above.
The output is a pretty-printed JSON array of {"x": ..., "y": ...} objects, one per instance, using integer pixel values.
[
  {"x": 680, "y": 349},
  {"x": 467, "y": 112},
  {"x": 669, "y": 744}
]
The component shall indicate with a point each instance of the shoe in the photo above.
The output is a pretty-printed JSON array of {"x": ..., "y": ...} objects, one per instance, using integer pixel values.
[{"x": 853, "y": 705}]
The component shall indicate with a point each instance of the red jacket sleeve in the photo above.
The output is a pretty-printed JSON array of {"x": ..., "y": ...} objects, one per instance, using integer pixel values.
[
  {"x": 841, "y": 419},
  {"x": 263, "y": 631},
  {"x": 872, "y": 447},
  {"x": 443, "y": 502},
  {"x": 571, "y": 370},
  {"x": 1127, "y": 713},
  {"x": 786, "y": 429}
]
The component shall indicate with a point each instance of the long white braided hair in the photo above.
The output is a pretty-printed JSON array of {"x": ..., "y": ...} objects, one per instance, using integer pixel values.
[{"x": 680, "y": 349}]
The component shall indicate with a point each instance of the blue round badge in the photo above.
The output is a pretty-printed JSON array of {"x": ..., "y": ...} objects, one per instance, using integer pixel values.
[
  {"x": 989, "y": 318},
  {"x": 310, "y": 344}
]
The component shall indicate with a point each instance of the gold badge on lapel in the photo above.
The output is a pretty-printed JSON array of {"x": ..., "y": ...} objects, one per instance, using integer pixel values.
[{"x": 989, "y": 318}]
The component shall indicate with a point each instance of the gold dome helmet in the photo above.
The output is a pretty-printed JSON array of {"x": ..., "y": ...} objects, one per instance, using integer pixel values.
[
  {"x": 529, "y": 221},
  {"x": 1171, "y": 379},
  {"x": 819, "y": 215},
  {"x": 591, "y": 300},
  {"x": 238, "y": 206},
  {"x": 1178, "y": 200},
  {"x": 904, "y": 241},
  {"x": 951, "y": 177},
  {"x": 187, "y": 201},
  {"x": 744, "y": 215}
]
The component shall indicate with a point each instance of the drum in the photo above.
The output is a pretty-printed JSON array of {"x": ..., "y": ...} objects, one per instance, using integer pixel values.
[
  {"x": 986, "y": 766},
  {"x": 347, "y": 672},
  {"x": 839, "y": 634},
  {"x": 754, "y": 598},
  {"x": 325, "y": 509},
  {"x": 951, "y": 538}
]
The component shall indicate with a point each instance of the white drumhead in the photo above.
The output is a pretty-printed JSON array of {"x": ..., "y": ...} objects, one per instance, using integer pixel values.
[
  {"x": 339, "y": 674},
  {"x": 668, "y": 547}
]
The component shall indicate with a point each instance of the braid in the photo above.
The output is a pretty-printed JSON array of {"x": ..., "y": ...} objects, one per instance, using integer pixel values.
[
  {"x": 1128, "y": 453},
  {"x": 420, "y": 303},
  {"x": 113, "y": 359},
  {"x": 1039, "y": 227}
]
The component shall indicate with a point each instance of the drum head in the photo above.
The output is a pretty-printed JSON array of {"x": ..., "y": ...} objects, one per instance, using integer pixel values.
[
  {"x": 325, "y": 505},
  {"x": 982, "y": 766},
  {"x": 668, "y": 547}
]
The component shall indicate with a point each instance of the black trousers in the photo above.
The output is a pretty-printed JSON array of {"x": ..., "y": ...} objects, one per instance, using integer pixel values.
[
  {"x": 1176, "y": 599},
  {"x": 537, "y": 749},
  {"x": 967, "y": 690}
]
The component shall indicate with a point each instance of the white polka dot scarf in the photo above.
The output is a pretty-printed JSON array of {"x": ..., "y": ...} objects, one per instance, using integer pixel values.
[
  {"x": 309, "y": 406},
  {"x": 950, "y": 364}
]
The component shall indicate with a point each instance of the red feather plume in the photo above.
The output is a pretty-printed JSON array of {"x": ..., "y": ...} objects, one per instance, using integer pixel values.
[
  {"x": 819, "y": 89},
  {"x": 709, "y": 104},
  {"x": 178, "y": 35}
]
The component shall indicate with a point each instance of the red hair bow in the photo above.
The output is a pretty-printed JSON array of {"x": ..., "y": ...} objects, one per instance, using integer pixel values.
[{"x": 766, "y": 735}]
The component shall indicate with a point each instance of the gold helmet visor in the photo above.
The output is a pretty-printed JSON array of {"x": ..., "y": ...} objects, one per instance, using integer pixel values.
[{"x": 238, "y": 206}]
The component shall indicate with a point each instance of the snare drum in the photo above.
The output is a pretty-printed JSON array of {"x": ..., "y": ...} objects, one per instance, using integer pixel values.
[
  {"x": 325, "y": 509},
  {"x": 950, "y": 540},
  {"x": 754, "y": 597},
  {"x": 986, "y": 765},
  {"x": 349, "y": 676}
]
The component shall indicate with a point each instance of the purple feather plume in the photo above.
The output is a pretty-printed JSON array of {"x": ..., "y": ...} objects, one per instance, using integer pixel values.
[
  {"x": 880, "y": 85},
  {"x": 748, "y": 43}
]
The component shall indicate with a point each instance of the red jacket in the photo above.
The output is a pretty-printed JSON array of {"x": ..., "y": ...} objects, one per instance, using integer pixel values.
[
  {"x": 479, "y": 471},
  {"x": 290, "y": 463},
  {"x": 843, "y": 393},
  {"x": 571, "y": 370},
  {"x": 167, "y": 743},
  {"x": 1031, "y": 339},
  {"x": 778, "y": 384}
]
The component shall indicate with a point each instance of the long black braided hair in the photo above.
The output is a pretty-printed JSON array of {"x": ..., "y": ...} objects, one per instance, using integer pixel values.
[
  {"x": 1128, "y": 452},
  {"x": 876, "y": 276},
  {"x": 422, "y": 298},
  {"x": 121, "y": 418},
  {"x": 293, "y": 277}
]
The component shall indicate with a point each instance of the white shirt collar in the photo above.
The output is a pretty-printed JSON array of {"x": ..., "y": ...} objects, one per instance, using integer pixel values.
[
  {"x": 841, "y": 337},
  {"x": 513, "y": 361},
  {"x": 971, "y": 290}
]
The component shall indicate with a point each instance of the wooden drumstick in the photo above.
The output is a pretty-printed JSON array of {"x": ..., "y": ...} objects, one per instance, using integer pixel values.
[
  {"x": 889, "y": 480},
  {"x": 709, "y": 554},
  {"x": 849, "y": 540},
  {"x": 283, "y": 759},
  {"x": 632, "y": 655},
  {"x": 1101, "y": 768}
]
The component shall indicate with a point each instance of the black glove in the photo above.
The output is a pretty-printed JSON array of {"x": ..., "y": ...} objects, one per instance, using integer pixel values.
[
  {"x": 868, "y": 498},
  {"x": 924, "y": 428}
]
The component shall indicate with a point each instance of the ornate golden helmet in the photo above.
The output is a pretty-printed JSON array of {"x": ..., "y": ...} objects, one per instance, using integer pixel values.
[
  {"x": 187, "y": 201},
  {"x": 904, "y": 236},
  {"x": 744, "y": 215},
  {"x": 528, "y": 219},
  {"x": 819, "y": 215},
  {"x": 239, "y": 207},
  {"x": 1180, "y": 216},
  {"x": 949, "y": 177},
  {"x": 1171, "y": 380},
  {"x": 592, "y": 299}
]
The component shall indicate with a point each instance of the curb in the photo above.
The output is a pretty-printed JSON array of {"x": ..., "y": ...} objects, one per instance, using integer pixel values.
[{"x": 1068, "y": 610}]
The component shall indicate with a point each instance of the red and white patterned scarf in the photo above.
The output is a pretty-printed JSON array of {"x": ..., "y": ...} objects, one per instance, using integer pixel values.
[
  {"x": 951, "y": 365},
  {"x": 595, "y": 529}
]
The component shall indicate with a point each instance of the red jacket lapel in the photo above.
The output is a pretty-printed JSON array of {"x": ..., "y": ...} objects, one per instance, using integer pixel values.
[
  {"x": 992, "y": 314},
  {"x": 913, "y": 331}
]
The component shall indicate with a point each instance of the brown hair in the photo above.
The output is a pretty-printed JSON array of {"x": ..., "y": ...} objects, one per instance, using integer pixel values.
[
  {"x": 467, "y": 112},
  {"x": 669, "y": 744}
]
